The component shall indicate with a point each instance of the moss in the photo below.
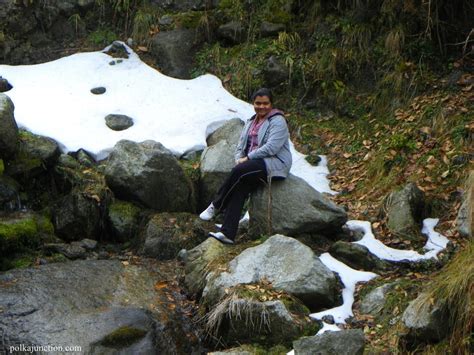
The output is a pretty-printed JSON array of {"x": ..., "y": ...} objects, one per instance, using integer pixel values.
[
  {"x": 123, "y": 337},
  {"x": 125, "y": 210},
  {"x": 190, "y": 19},
  {"x": 23, "y": 261},
  {"x": 2, "y": 167},
  {"x": 17, "y": 231}
]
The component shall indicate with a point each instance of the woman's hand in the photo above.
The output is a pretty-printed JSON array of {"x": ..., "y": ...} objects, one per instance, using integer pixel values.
[{"x": 241, "y": 160}]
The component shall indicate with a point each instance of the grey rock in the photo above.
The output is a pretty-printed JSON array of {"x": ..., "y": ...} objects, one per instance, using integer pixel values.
[
  {"x": 465, "y": 214},
  {"x": 118, "y": 122},
  {"x": 425, "y": 321},
  {"x": 70, "y": 251},
  {"x": 229, "y": 131},
  {"x": 165, "y": 20},
  {"x": 117, "y": 50},
  {"x": 147, "y": 172},
  {"x": 85, "y": 303},
  {"x": 356, "y": 256},
  {"x": 374, "y": 301},
  {"x": 75, "y": 216},
  {"x": 174, "y": 51},
  {"x": 216, "y": 163},
  {"x": 296, "y": 208},
  {"x": 404, "y": 211},
  {"x": 275, "y": 72},
  {"x": 4, "y": 85},
  {"x": 232, "y": 32},
  {"x": 123, "y": 220},
  {"x": 268, "y": 29},
  {"x": 88, "y": 244},
  {"x": 166, "y": 234},
  {"x": 344, "y": 342},
  {"x": 197, "y": 264},
  {"x": 8, "y": 128},
  {"x": 39, "y": 147},
  {"x": 287, "y": 263},
  {"x": 98, "y": 90}
]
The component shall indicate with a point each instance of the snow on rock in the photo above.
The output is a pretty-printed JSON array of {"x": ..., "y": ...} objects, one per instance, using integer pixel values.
[
  {"x": 54, "y": 99},
  {"x": 435, "y": 243}
]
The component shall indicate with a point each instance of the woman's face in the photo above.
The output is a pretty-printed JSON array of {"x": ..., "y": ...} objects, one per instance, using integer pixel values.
[{"x": 262, "y": 105}]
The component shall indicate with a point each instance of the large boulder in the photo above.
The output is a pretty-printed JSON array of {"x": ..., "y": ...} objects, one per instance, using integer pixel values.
[
  {"x": 9, "y": 194},
  {"x": 344, "y": 342},
  {"x": 229, "y": 131},
  {"x": 296, "y": 208},
  {"x": 8, "y": 128},
  {"x": 101, "y": 306},
  {"x": 404, "y": 211},
  {"x": 174, "y": 52},
  {"x": 167, "y": 233},
  {"x": 426, "y": 321},
  {"x": 275, "y": 72},
  {"x": 147, "y": 172},
  {"x": 288, "y": 264}
]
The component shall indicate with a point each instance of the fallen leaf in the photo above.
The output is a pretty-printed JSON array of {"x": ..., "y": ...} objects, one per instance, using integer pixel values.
[
  {"x": 125, "y": 263},
  {"x": 445, "y": 174}
]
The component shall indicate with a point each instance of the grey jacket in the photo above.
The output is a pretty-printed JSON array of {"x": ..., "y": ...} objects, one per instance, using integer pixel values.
[{"x": 274, "y": 146}]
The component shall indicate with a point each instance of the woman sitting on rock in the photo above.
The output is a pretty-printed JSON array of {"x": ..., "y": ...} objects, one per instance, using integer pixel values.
[{"x": 263, "y": 153}]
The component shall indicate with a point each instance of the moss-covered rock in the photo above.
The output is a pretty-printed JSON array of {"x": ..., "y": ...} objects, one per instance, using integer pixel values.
[
  {"x": 22, "y": 231},
  {"x": 123, "y": 219},
  {"x": 123, "y": 337}
]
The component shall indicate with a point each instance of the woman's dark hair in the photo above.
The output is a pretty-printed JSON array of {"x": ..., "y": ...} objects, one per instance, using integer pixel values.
[{"x": 262, "y": 92}]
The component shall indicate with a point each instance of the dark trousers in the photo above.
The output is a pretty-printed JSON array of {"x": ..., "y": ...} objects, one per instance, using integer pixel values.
[{"x": 243, "y": 179}]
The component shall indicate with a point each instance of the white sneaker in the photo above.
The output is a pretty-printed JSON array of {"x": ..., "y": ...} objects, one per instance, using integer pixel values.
[
  {"x": 221, "y": 237},
  {"x": 208, "y": 213}
]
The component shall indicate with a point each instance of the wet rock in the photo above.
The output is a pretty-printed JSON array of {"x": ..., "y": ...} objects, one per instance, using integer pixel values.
[
  {"x": 123, "y": 219},
  {"x": 285, "y": 262},
  {"x": 116, "y": 309},
  {"x": 344, "y": 342},
  {"x": 166, "y": 234},
  {"x": 374, "y": 301},
  {"x": 98, "y": 90},
  {"x": 268, "y": 29},
  {"x": 296, "y": 209},
  {"x": 148, "y": 173},
  {"x": 118, "y": 122},
  {"x": 8, "y": 128},
  {"x": 88, "y": 244},
  {"x": 232, "y": 32},
  {"x": 174, "y": 52},
  {"x": 275, "y": 72},
  {"x": 357, "y": 256},
  {"x": 425, "y": 322},
  {"x": 405, "y": 210}
]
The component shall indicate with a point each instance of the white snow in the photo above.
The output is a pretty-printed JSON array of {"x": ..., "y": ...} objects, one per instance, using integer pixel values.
[
  {"x": 349, "y": 278},
  {"x": 435, "y": 243},
  {"x": 54, "y": 99}
]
